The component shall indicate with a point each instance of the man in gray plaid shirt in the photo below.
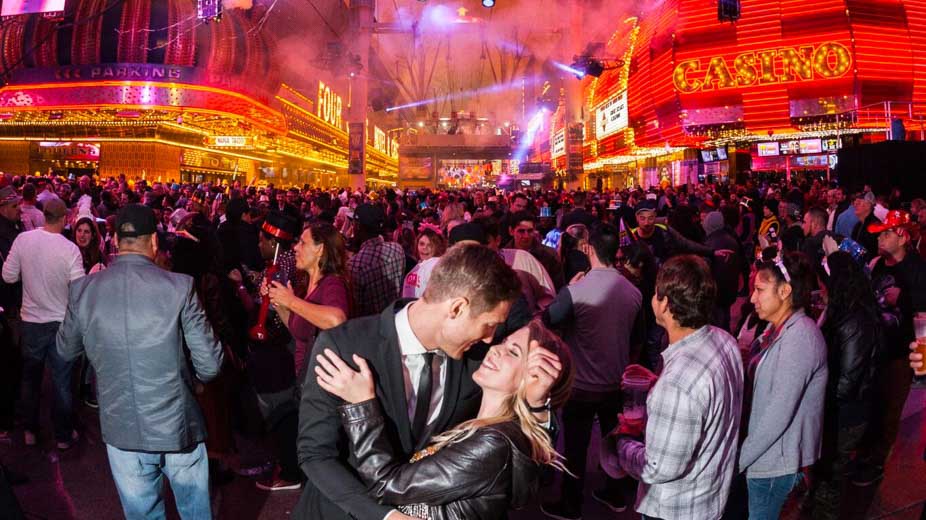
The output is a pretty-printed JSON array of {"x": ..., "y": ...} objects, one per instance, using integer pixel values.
[
  {"x": 686, "y": 464},
  {"x": 378, "y": 269}
]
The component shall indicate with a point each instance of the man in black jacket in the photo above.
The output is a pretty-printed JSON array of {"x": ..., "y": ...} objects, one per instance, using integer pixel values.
[
  {"x": 814, "y": 225},
  {"x": 418, "y": 353},
  {"x": 725, "y": 269},
  {"x": 133, "y": 320},
  {"x": 10, "y": 301},
  {"x": 864, "y": 205}
]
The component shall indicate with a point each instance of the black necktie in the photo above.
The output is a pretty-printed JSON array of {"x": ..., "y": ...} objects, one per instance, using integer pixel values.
[{"x": 423, "y": 400}]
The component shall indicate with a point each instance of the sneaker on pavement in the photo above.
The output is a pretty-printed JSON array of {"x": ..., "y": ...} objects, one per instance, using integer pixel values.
[
  {"x": 867, "y": 475},
  {"x": 614, "y": 503},
  {"x": 66, "y": 445},
  {"x": 560, "y": 511},
  {"x": 29, "y": 438},
  {"x": 277, "y": 484}
]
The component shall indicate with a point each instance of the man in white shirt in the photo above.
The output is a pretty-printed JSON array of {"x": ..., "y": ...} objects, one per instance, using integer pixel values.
[{"x": 47, "y": 263}]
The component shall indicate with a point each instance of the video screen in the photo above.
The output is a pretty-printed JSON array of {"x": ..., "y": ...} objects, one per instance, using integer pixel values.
[
  {"x": 768, "y": 149},
  {"x": 17, "y": 7}
]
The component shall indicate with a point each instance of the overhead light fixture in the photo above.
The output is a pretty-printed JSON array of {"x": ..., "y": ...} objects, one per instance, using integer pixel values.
[
  {"x": 488, "y": 3},
  {"x": 728, "y": 10}
]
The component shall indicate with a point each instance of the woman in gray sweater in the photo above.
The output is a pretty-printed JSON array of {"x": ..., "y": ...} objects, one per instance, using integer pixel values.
[{"x": 787, "y": 379}]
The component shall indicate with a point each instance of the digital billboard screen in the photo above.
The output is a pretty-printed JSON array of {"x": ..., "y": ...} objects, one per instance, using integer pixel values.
[
  {"x": 768, "y": 149},
  {"x": 17, "y": 7}
]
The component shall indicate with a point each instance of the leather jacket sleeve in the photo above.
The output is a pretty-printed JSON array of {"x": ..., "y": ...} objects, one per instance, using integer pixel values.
[
  {"x": 857, "y": 347},
  {"x": 464, "y": 469}
]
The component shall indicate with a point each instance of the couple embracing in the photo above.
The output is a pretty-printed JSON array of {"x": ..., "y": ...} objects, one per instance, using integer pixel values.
[{"x": 400, "y": 419}]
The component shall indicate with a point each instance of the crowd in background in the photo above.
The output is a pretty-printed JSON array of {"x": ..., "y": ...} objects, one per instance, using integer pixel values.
[{"x": 813, "y": 293}]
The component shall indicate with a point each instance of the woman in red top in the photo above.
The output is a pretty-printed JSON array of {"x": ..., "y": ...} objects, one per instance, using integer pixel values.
[{"x": 321, "y": 253}]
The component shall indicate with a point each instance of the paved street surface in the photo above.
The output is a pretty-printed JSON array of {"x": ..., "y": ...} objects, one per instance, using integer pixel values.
[{"x": 77, "y": 484}]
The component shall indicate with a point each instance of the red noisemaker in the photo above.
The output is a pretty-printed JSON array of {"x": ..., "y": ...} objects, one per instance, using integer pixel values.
[{"x": 259, "y": 331}]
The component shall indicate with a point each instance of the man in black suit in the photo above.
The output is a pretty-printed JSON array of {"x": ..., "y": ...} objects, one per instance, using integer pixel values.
[{"x": 418, "y": 352}]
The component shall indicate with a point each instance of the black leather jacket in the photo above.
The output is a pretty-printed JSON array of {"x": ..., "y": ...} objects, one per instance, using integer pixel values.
[
  {"x": 854, "y": 341},
  {"x": 478, "y": 478}
]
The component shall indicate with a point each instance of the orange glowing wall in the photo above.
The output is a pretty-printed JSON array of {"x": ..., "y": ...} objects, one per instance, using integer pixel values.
[{"x": 783, "y": 60}]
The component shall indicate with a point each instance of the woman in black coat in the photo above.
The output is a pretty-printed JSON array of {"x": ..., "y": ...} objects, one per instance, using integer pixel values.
[{"x": 852, "y": 330}]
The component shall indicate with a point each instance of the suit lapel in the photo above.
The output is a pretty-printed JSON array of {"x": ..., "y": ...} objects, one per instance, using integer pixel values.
[{"x": 392, "y": 381}]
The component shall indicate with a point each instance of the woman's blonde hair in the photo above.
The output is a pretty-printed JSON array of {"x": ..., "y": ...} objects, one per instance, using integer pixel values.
[{"x": 516, "y": 407}]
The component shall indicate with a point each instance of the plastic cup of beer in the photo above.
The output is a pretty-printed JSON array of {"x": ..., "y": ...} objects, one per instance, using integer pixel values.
[
  {"x": 635, "y": 392},
  {"x": 919, "y": 326}
]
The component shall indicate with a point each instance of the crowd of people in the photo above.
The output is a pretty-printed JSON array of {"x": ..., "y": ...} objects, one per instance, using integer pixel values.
[{"x": 422, "y": 353}]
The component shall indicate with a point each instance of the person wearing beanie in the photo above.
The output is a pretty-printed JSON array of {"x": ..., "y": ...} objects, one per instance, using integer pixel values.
[
  {"x": 725, "y": 269},
  {"x": 792, "y": 234}
]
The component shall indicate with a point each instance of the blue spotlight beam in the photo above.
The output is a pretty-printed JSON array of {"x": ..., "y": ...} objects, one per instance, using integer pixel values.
[
  {"x": 527, "y": 139},
  {"x": 571, "y": 70},
  {"x": 491, "y": 89}
]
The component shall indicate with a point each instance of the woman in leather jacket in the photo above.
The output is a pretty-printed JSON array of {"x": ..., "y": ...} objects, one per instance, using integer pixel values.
[
  {"x": 853, "y": 334},
  {"x": 477, "y": 470}
]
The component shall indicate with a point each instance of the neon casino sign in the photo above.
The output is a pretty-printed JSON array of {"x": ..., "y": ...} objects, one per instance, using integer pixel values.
[{"x": 828, "y": 60}]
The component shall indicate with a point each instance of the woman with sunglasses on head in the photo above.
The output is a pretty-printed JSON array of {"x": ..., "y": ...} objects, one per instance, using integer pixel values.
[
  {"x": 479, "y": 469},
  {"x": 785, "y": 386}
]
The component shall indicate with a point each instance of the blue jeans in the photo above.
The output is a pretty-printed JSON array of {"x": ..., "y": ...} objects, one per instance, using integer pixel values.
[
  {"x": 767, "y": 495},
  {"x": 138, "y": 480},
  {"x": 38, "y": 345}
]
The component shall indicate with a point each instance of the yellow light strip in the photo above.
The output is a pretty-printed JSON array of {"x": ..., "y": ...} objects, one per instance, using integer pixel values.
[
  {"x": 145, "y": 140},
  {"x": 296, "y": 93},
  {"x": 97, "y": 84},
  {"x": 310, "y": 114}
]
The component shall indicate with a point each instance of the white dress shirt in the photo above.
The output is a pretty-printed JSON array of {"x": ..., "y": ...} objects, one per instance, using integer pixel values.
[{"x": 412, "y": 362}]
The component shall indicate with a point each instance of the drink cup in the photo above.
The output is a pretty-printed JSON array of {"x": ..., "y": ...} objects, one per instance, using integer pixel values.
[
  {"x": 635, "y": 391},
  {"x": 919, "y": 326}
]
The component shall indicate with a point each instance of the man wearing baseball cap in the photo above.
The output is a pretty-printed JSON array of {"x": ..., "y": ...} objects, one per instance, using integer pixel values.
[
  {"x": 662, "y": 240},
  {"x": 133, "y": 320},
  {"x": 899, "y": 277}
]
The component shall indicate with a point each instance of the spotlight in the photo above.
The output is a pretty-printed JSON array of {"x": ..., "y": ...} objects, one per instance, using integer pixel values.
[
  {"x": 488, "y": 3},
  {"x": 583, "y": 66},
  {"x": 728, "y": 10},
  {"x": 594, "y": 68}
]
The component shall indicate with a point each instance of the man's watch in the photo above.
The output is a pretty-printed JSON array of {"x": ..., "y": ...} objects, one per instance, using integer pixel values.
[{"x": 545, "y": 407}]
